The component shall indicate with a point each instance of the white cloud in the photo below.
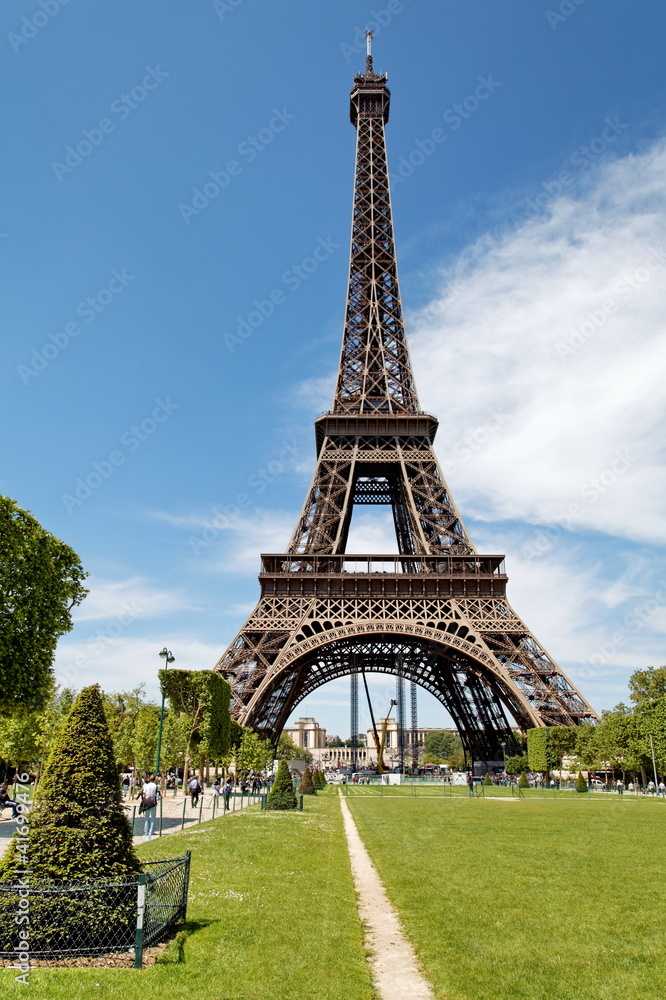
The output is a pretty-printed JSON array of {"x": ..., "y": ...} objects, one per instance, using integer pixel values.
[
  {"x": 133, "y": 598},
  {"x": 120, "y": 663},
  {"x": 530, "y": 424}
]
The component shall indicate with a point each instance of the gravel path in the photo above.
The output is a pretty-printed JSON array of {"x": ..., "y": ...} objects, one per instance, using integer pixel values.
[{"x": 393, "y": 962}]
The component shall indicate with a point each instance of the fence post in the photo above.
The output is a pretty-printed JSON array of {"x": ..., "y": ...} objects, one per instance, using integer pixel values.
[
  {"x": 133, "y": 818},
  {"x": 140, "y": 911},
  {"x": 182, "y": 825},
  {"x": 300, "y": 803},
  {"x": 160, "y": 833},
  {"x": 201, "y": 808}
]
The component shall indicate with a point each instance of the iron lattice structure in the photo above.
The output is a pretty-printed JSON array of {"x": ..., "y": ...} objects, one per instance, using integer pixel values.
[{"x": 437, "y": 613}]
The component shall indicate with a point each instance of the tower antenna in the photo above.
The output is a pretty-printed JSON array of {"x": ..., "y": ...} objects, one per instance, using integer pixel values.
[{"x": 368, "y": 50}]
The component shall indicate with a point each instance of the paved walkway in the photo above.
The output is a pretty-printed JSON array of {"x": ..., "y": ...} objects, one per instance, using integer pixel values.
[
  {"x": 177, "y": 813},
  {"x": 395, "y": 970}
]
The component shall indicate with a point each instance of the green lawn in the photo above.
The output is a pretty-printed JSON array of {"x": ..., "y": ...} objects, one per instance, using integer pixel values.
[
  {"x": 515, "y": 900},
  {"x": 272, "y": 915}
]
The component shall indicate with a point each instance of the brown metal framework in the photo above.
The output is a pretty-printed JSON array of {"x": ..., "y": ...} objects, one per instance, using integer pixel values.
[{"x": 436, "y": 613}]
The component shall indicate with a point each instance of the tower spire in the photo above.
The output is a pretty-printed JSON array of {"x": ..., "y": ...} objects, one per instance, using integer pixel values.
[
  {"x": 368, "y": 52},
  {"x": 375, "y": 373}
]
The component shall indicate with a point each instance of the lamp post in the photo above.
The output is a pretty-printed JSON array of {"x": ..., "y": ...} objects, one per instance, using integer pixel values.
[{"x": 168, "y": 658}]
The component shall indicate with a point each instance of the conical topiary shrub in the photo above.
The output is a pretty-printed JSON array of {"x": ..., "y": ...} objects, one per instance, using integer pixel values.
[
  {"x": 281, "y": 795},
  {"x": 306, "y": 786},
  {"x": 487, "y": 780},
  {"x": 77, "y": 831},
  {"x": 318, "y": 780},
  {"x": 522, "y": 780},
  {"x": 581, "y": 783}
]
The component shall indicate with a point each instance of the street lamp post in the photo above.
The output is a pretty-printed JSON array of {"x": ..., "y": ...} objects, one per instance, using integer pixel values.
[{"x": 168, "y": 657}]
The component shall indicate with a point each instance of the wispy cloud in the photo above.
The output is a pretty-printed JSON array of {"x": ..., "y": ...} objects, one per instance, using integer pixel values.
[
  {"x": 136, "y": 596},
  {"x": 558, "y": 328}
]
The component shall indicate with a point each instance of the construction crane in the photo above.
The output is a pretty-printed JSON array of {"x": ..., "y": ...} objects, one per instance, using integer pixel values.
[{"x": 380, "y": 751}]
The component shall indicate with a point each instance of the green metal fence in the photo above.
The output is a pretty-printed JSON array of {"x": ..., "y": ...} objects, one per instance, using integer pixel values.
[{"x": 69, "y": 918}]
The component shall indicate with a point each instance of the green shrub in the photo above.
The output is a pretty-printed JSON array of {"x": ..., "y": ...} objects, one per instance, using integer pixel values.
[
  {"x": 522, "y": 780},
  {"x": 77, "y": 831},
  {"x": 581, "y": 783},
  {"x": 281, "y": 795},
  {"x": 487, "y": 780},
  {"x": 306, "y": 786},
  {"x": 318, "y": 779}
]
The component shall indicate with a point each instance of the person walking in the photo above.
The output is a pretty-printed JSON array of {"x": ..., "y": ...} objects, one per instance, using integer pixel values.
[
  {"x": 620, "y": 788},
  {"x": 195, "y": 790},
  {"x": 150, "y": 794},
  {"x": 226, "y": 791},
  {"x": 470, "y": 785}
]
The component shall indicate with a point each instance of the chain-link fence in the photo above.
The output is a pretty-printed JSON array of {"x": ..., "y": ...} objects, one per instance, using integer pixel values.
[{"x": 65, "y": 919}]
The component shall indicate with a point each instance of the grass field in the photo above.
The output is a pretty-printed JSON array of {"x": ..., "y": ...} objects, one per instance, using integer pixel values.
[
  {"x": 516, "y": 900},
  {"x": 272, "y": 915}
]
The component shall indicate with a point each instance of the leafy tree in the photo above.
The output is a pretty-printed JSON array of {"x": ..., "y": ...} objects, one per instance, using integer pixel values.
[
  {"x": 252, "y": 752},
  {"x": 431, "y": 758},
  {"x": 287, "y": 750},
  {"x": 440, "y": 744},
  {"x": 547, "y": 745},
  {"x": 306, "y": 786},
  {"x": 522, "y": 780},
  {"x": 281, "y": 795},
  {"x": 647, "y": 686},
  {"x": 487, "y": 780},
  {"x": 203, "y": 697},
  {"x": 516, "y": 765},
  {"x": 144, "y": 740},
  {"x": 581, "y": 783},
  {"x": 587, "y": 752},
  {"x": 41, "y": 580},
  {"x": 78, "y": 830}
]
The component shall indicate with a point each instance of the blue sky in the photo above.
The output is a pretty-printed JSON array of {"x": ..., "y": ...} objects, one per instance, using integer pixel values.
[{"x": 165, "y": 351}]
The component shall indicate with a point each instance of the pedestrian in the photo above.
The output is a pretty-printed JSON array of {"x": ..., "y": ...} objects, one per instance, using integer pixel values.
[
  {"x": 650, "y": 787},
  {"x": 216, "y": 788},
  {"x": 620, "y": 787},
  {"x": 195, "y": 790},
  {"x": 6, "y": 801},
  {"x": 226, "y": 791},
  {"x": 150, "y": 794},
  {"x": 662, "y": 789},
  {"x": 470, "y": 785}
]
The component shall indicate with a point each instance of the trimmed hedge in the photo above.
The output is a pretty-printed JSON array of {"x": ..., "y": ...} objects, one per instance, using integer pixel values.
[
  {"x": 547, "y": 745},
  {"x": 306, "y": 786},
  {"x": 282, "y": 795}
]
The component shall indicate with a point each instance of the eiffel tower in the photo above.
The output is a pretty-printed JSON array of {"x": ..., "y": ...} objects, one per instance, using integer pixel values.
[{"x": 436, "y": 613}]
